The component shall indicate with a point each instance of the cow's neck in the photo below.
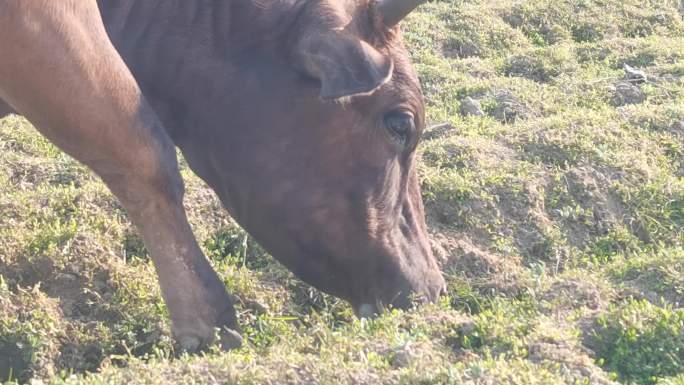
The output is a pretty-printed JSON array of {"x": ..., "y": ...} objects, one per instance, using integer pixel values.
[{"x": 183, "y": 51}]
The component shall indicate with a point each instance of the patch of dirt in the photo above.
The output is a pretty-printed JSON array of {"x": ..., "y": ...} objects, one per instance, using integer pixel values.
[
  {"x": 677, "y": 128},
  {"x": 516, "y": 213},
  {"x": 647, "y": 285},
  {"x": 508, "y": 108},
  {"x": 459, "y": 255},
  {"x": 460, "y": 48},
  {"x": 81, "y": 294},
  {"x": 575, "y": 362},
  {"x": 540, "y": 219},
  {"x": 471, "y": 107},
  {"x": 468, "y": 153},
  {"x": 572, "y": 294},
  {"x": 584, "y": 204},
  {"x": 523, "y": 214},
  {"x": 31, "y": 326},
  {"x": 439, "y": 131},
  {"x": 541, "y": 150},
  {"x": 529, "y": 67},
  {"x": 624, "y": 93}
]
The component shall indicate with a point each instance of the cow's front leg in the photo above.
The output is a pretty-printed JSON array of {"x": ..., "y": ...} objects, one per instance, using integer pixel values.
[
  {"x": 151, "y": 190},
  {"x": 59, "y": 69}
]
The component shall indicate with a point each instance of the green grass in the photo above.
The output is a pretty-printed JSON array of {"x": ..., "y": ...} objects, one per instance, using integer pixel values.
[
  {"x": 640, "y": 342},
  {"x": 558, "y": 218}
]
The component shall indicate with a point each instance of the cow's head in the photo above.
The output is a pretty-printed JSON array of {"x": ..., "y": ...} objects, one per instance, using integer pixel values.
[{"x": 323, "y": 171}]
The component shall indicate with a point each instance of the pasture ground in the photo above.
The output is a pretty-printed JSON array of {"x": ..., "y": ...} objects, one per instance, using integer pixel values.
[{"x": 554, "y": 184}]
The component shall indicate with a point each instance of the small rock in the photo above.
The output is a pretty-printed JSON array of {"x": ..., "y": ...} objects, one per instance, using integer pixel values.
[
  {"x": 402, "y": 359},
  {"x": 189, "y": 343},
  {"x": 258, "y": 307},
  {"x": 230, "y": 339},
  {"x": 471, "y": 107},
  {"x": 660, "y": 17},
  {"x": 668, "y": 78},
  {"x": 634, "y": 75},
  {"x": 402, "y": 356},
  {"x": 438, "y": 131},
  {"x": 74, "y": 268},
  {"x": 65, "y": 277},
  {"x": 467, "y": 327},
  {"x": 677, "y": 127},
  {"x": 529, "y": 67},
  {"x": 627, "y": 93},
  {"x": 508, "y": 108}
]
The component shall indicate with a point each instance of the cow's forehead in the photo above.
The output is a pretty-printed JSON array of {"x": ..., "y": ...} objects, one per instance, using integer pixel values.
[{"x": 357, "y": 17}]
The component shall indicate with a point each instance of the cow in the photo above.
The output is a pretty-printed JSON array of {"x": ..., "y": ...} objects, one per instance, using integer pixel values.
[{"x": 302, "y": 115}]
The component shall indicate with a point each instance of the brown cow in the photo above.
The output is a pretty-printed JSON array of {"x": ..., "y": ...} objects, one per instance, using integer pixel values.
[{"x": 303, "y": 116}]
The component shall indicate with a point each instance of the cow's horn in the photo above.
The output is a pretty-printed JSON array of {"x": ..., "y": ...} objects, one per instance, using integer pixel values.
[{"x": 393, "y": 11}]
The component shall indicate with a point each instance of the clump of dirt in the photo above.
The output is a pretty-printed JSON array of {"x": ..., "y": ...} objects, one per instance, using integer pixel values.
[
  {"x": 487, "y": 270},
  {"x": 677, "y": 128},
  {"x": 460, "y": 48},
  {"x": 530, "y": 67},
  {"x": 577, "y": 363},
  {"x": 439, "y": 131},
  {"x": 657, "y": 278},
  {"x": 584, "y": 203},
  {"x": 546, "y": 31},
  {"x": 465, "y": 153},
  {"x": 515, "y": 218},
  {"x": 572, "y": 294},
  {"x": 30, "y": 328},
  {"x": 471, "y": 107},
  {"x": 96, "y": 314},
  {"x": 472, "y": 34},
  {"x": 624, "y": 93},
  {"x": 504, "y": 221},
  {"x": 501, "y": 105},
  {"x": 642, "y": 287},
  {"x": 507, "y": 108}
]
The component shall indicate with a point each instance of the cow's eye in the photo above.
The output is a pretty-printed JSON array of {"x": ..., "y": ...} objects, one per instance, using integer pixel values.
[{"x": 400, "y": 125}]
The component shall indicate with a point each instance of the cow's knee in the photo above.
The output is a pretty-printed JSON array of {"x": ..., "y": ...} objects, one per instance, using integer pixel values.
[
  {"x": 145, "y": 176},
  {"x": 158, "y": 182},
  {"x": 162, "y": 174}
]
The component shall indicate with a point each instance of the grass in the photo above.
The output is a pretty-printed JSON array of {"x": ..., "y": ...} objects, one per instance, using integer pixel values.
[
  {"x": 558, "y": 217},
  {"x": 640, "y": 341}
]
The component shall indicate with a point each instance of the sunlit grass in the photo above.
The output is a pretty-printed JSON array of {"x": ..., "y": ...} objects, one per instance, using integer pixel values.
[{"x": 558, "y": 217}]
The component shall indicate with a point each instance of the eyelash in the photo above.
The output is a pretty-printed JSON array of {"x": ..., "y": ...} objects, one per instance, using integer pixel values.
[{"x": 403, "y": 136}]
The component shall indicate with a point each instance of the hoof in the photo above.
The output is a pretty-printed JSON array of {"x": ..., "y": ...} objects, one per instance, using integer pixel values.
[
  {"x": 226, "y": 339},
  {"x": 189, "y": 343},
  {"x": 229, "y": 339}
]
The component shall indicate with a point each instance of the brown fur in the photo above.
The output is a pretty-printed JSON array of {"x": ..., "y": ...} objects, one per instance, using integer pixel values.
[{"x": 239, "y": 87}]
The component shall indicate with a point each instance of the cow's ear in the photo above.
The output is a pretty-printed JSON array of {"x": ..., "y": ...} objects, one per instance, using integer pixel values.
[{"x": 345, "y": 66}]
